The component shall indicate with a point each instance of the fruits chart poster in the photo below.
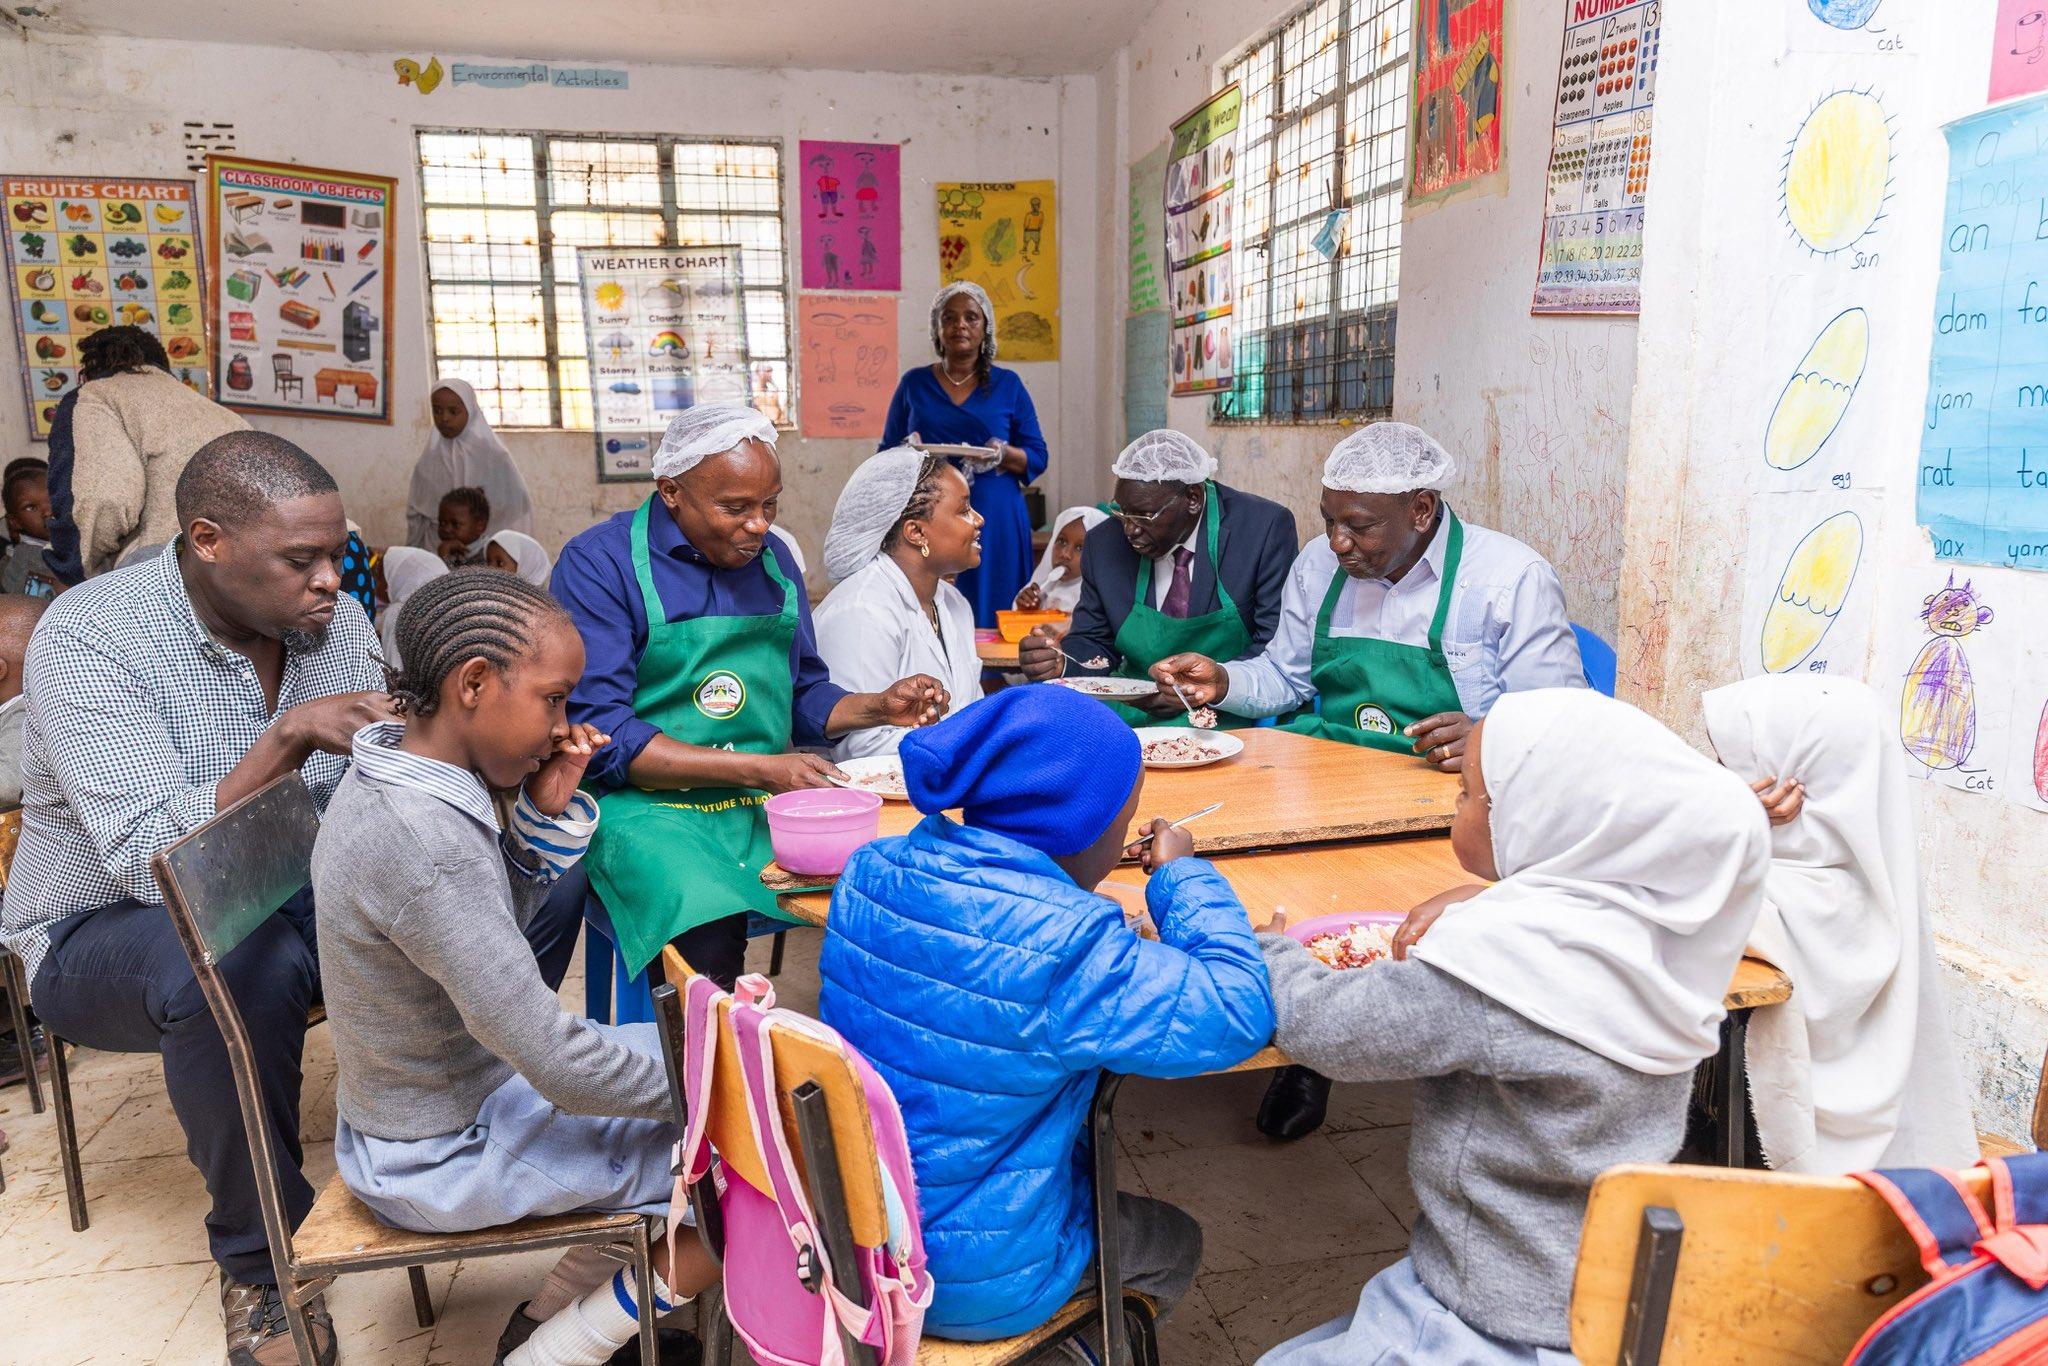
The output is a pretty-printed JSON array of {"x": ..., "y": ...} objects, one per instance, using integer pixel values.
[
  {"x": 300, "y": 260},
  {"x": 85, "y": 253}
]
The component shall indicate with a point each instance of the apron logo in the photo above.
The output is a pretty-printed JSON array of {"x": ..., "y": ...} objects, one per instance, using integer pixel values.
[
  {"x": 1373, "y": 719},
  {"x": 721, "y": 695}
]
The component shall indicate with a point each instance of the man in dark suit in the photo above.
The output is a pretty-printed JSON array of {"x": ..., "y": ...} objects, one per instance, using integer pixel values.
[{"x": 1186, "y": 559}]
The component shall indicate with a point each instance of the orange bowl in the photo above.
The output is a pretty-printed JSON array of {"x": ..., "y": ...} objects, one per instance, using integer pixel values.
[{"x": 1017, "y": 625}]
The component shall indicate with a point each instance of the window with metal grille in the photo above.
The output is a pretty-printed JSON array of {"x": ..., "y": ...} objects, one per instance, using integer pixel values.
[
  {"x": 505, "y": 212},
  {"x": 1322, "y": 156}
]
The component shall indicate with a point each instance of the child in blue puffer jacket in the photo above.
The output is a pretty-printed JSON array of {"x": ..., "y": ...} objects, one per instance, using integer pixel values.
[{"x": 978, "y": 971}]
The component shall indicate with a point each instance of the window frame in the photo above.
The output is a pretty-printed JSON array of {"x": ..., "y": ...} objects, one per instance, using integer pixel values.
[{"x": 544, "y": 209}]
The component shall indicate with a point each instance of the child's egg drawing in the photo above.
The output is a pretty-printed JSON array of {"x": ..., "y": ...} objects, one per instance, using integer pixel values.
[
  {"x": 1811, "y": 591},
  {"x": 1814, "y": 399}
]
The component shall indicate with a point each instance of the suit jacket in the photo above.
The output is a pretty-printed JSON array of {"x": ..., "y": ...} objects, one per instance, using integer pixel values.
[{"x": 1256, "y": 545}]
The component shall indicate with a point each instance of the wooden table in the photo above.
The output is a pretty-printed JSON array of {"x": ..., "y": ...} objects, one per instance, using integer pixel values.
[
  {"x": 1284, "y": 790},
  {"x": 999, "y": 653}
]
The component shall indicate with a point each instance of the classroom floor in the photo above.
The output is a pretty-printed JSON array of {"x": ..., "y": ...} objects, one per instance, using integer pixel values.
[{"x": 1293, "y": 1231}]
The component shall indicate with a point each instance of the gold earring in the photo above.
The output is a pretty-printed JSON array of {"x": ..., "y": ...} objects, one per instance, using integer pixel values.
[{"x": 925, "y": 550}]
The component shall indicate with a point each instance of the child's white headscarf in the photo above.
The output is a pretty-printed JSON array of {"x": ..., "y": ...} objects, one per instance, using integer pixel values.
[
  {"x": 1062, "y": 590},
  {"x": 475, "y": 459},
  {"x": 406, "y": 570},
  {"x": 1631, "y": 870},
  {"x": 1858, "y": 1069},
  {"x": 533, "y": 562}
]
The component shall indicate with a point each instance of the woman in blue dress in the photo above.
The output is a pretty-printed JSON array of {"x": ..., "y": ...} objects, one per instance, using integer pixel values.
[{"x": 965, "y": 400}]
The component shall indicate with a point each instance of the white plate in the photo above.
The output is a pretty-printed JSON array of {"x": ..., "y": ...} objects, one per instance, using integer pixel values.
[
  {"x": 876, "y": 767},
  {"x": 1110, "y": 689},
  {"x": 1219, "y": 744},
  {"x": 959, "y": 452}
]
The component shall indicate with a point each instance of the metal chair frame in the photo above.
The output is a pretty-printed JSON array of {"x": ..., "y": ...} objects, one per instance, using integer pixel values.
[{"x": 15, "y": 982}]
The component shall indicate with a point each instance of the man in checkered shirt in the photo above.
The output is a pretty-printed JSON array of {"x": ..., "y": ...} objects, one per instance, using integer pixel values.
[{"x": 158, "y": 695}]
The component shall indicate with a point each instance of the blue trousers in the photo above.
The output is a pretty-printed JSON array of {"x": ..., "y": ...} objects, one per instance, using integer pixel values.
[{"x": 117, "y": 979}]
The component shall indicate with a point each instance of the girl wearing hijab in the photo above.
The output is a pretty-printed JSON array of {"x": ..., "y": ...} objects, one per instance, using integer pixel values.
[
  {"x": 1551, "y": 1021},
  {"x": 965, "y": 399},
  {"x": 463, "y": 452},
  {"x": 1858, "y": 1069},
  {"x": 519, "y": 554},
  {"x": 904, "y": 523},
  {"x": 405, "y": 570},
  {"x": 1056, "y": 584}
]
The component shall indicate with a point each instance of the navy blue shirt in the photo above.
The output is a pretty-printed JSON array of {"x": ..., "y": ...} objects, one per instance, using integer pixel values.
[{"x": 594, "y": 580}]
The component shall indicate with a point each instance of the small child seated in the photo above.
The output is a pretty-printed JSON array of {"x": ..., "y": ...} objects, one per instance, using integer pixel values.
[
  {"x": 18, "y": 618},
  {"x": 1551, "y": 1021},
  {"x": 977, "y": 969},
  {"x": 1056, "y": 583},
  {"x": 468, "y": 1097},
  {"x": 465, "y": 517},
  {"x": 515, "y": 552},
  {"x": 26, "y": 496}
]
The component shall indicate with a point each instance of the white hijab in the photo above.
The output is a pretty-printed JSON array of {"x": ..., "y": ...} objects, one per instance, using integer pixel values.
[
  {"x": 533, "y": 562},
  {"x": 1858, "y": 1069},
  {"x": 1062, "y": 591},
  {"x": 475, "y": 459},
  {"x": 1631, "y": 870},
  {"x": 406, "y": 570}
]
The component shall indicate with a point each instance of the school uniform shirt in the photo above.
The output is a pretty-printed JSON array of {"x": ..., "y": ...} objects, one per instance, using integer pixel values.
[
  {"x": 872, "y": 631},
  {"x": 1506, "y": 632},
  {"x": 594, "y": 581}
]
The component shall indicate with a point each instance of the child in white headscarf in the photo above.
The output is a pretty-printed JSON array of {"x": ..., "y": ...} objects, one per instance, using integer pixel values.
[
  {"x": 1858, "y": 1069},
  {"x": 1551, "y": 1021},
  {"x": 463, "y": 452},
  {"x": 403, "y": 570},
  {"x": 515, "y": 552},
  {"x": 1056, "y": 583}
]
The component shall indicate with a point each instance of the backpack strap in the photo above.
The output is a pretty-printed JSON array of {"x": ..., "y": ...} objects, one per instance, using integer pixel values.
[
  {"x": 1938, "y": 1212},
  {"x": 701, "y": 996},
  {"x": 2019, "y": 1201}
]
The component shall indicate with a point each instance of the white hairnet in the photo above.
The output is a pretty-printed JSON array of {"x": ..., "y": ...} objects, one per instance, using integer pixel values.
[
  {"x": 988, "y": 317},
  {"x": 696, "y": 434},
  {"x": 868, "y": 509},
  {"x": 1388, "y": 457},
  {"x": 1165, "y": 456}
]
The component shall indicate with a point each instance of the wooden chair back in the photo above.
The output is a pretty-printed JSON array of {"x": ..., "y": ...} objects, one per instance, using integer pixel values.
[{"x": 1770, "y": 1269}]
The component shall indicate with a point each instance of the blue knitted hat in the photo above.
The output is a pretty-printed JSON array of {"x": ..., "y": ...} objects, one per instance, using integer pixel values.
[{"x": 1043, "y": 765}]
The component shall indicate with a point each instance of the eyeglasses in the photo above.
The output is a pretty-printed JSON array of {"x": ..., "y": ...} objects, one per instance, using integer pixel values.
[{"x": 1138, "y": 518}]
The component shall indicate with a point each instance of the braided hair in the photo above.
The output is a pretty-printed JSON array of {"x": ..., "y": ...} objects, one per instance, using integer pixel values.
[
  {"x": 924, "y": 500},
  {"x": 473, "y": 613}
]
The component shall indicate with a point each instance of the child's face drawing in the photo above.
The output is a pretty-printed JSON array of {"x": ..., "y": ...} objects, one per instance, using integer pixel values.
[
  {"x": 514, "y": 719},
  {"x": 1472, "y": 821}
]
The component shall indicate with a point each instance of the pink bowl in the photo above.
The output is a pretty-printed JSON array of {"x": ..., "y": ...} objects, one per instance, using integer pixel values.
[
  {"x": 1343, "y": 920},
  {"x": 814, "y": 831}
]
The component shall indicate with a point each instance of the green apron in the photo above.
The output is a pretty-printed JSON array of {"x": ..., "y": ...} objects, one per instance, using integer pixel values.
[
  {"x": 1148, "y": 635},
  {"x": 1372, "y": 689},
  {"x": 666, "y": 862}
]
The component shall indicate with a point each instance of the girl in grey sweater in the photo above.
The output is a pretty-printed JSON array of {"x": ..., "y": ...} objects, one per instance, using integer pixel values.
[{"x": 1550, "y": 1021}]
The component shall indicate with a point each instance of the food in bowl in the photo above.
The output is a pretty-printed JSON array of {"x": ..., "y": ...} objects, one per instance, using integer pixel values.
[
  {"x": 1181, "y": 749},
  {"x": 883, "y": 783},
  {"x": 1356, "y": 946}
]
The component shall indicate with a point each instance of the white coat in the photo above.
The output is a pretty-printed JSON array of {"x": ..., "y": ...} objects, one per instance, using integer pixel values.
[{"x": 872, "y": 632}]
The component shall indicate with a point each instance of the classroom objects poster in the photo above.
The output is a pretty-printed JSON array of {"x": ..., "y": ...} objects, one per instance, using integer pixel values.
[
  {"x": 300, "y": 260},
  {"x": 1591, "y": 260},
  {"x": 1454, "y": 119},
  {"x": 849, "y": 363},
  {"x": 852, "y": 215},
  {"x": 85, "y": 253},
  {"x": 1983, "y": 478},
  {"x": 1003, "y": 236},
  {"x": 666, "y": 329},
  {"x": 2019, "y": 49},
  {"x": 1147, "y": 232},
  {"x": 1201, "y": 169}
]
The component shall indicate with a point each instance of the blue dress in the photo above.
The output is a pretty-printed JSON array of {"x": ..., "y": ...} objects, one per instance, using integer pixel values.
[{"x": 998, "y": 410}]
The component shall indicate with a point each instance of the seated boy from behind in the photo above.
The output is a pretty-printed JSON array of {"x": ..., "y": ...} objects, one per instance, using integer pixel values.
[
  {"x": 26, "y": 497},
  {"x": 980, "y": 973},
  {"x": 465, "y": 519},
  {"x": 18, "y": 618}
]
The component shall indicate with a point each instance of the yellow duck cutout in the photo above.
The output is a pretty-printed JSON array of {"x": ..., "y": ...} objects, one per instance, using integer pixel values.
[{"x": 423, "y": 79}]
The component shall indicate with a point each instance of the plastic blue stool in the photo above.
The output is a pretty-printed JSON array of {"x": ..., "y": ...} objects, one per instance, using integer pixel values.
[{"x": 1596, "y": 657}]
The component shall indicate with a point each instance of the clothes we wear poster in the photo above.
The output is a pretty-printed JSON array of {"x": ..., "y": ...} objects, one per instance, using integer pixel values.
[
  {"x": 1454, "y": 122},
  {"x": 85, "y": 253},
  {"x": 300, "y": 260},
  {"x": 849, "y": 363},
  {"x": 1004, "y": 237},
  {"x": 852, "y": 216},
  {"x": 1201, "y": 169},
  {"x": 667, "y": 329},
  {"x": 1592, "y": 254}
]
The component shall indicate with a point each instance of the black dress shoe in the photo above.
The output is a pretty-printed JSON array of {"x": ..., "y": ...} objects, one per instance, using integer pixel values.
[
  {"x": 1295, "y": 1103},
  {"x": 672, "y": 1346}
]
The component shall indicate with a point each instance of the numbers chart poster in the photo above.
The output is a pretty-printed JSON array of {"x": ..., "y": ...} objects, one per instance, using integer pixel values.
[
  {"x": 1003, "y": 238},
  {"x": 1201, "y": 169},
  {"x": 87, "y": 253},
  {"x": 667, "y": 330},
  {"x": 1592, "y": 254},
  {"x": 301, "y": 266}
]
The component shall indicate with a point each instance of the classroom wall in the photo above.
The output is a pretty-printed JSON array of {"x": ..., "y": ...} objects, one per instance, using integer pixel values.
[
  {"x": 1730, "y": 302},
  {"x": 1535, "y": 409},
  {"x": 113, "y": 106}
]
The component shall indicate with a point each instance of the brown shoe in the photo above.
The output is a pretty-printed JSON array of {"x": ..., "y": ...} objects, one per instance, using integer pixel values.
[{"x": 257, "y": 1333}]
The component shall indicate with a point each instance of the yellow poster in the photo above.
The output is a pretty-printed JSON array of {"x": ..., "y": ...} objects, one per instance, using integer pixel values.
[{"x": 1003, "y": 237}]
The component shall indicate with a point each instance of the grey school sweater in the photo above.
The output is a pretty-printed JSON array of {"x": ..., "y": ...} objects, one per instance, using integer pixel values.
[
  {"x": 432, "y": 990},
  {"x": 1512, "y": 1123}
]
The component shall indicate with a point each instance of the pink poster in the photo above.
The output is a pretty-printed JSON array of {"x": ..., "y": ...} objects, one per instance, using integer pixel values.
[
  {"x": 2019, "y": 55},
  {"x": 852, "y": 215},
  {"x": 849, "y": 363}
]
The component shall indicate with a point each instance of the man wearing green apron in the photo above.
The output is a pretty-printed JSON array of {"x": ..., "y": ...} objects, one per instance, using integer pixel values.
[
  {"x": 1401, "y": 626},
  {"x": 702, "y": 667},
  {"x": 1190, "y": 566}
]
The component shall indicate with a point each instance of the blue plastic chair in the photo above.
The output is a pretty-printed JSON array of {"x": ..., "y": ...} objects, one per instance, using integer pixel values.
[{"x": 1596, "y": 657}]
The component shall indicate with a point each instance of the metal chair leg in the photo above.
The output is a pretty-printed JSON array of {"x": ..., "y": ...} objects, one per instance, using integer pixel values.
[
  {"x": 1144, "y": 1333},
  {"x": 17, "y": 1009},
  {"x": 643, "y": 1268},
  {"x": 714, "y": 1329},
  {"x": 301, "y": 1329},
  {"x": 1734, "y": 1096},
  {"x": 1109, "y": 1282},
  {"x": 67, "y": 1132},
  {"x": 775, "y": 953},
  {"x": 1658, "y": 1240},
  {"x": 422, "y": 1301}
]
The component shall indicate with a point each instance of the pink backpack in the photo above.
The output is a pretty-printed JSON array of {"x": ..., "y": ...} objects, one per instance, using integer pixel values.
[{"x": 772, "y": 1236}]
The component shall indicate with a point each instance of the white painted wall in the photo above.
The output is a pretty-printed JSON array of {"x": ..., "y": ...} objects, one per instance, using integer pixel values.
[
  {"x": 114, "y": 106},
  {"x": 1535, "y": 409}
]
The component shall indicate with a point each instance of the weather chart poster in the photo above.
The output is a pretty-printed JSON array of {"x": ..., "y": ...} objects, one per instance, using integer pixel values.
[{"x": 87, "y": 253}]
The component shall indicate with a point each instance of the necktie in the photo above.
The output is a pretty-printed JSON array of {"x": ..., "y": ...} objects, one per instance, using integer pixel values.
[{"x": 1177, "y": 592}]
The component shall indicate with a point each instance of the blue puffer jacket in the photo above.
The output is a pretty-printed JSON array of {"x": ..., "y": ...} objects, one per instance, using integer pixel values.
[{"x": 988, "y": 991}]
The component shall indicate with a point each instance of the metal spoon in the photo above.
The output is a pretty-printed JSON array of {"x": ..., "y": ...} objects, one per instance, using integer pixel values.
[
  {"x": 1147, "y": 838},
  {"x": 1196, "y": 721}
]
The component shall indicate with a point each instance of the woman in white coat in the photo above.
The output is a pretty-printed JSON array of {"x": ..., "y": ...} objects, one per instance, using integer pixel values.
[{"x": 902, "y": 526}]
